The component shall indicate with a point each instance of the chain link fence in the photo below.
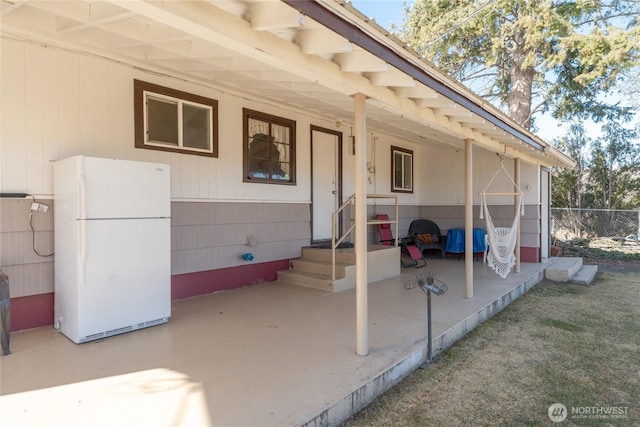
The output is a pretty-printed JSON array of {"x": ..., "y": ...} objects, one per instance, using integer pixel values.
[{"x": 569, "y": 223}]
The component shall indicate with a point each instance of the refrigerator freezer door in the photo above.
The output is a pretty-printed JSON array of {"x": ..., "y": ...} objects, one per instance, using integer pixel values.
[
  {"x": 125, "y": 280},
  {"x": 109, "y": 188}
]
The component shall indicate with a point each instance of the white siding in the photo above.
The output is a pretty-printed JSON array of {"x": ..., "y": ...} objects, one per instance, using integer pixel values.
[
  {"x": 444, "y": 181},
  {"x": 50, "y": 116},
  {"x": 57, "y": 103},
  {"x": 443, "y": 171},
  {"x": 12, "y": 138}
]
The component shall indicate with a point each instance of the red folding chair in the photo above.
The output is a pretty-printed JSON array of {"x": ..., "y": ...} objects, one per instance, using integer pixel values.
[{"x": 406, "y": 244}]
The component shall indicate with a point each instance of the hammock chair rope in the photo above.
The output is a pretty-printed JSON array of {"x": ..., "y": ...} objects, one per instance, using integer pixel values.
[{"x": 502, "y": 240}]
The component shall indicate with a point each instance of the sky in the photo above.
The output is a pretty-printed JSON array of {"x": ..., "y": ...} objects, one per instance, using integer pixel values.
[{"x": 386, "y": 12}]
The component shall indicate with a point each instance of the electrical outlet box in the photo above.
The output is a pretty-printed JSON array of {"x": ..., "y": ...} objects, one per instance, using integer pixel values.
[{"x": 39, "y": 207}]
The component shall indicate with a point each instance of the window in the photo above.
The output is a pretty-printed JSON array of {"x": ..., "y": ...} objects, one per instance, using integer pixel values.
[
  {"x": 401, "y": 170},
  {"x": 269, "y": 148},
  {"x": 171, "y": 120}
]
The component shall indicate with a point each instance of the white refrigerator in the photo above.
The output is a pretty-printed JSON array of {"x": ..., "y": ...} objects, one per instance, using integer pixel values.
[{"x": 112, "y": 268}]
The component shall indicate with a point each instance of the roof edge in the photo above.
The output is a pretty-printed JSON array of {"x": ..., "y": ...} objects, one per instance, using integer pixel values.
[{"x": 331, "y": 14}]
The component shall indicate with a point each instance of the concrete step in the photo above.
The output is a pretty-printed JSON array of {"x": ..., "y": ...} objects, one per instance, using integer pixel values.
[
  {"x": 306, "y": 279},
  {"x": 319, "y": 266},
  {"x": 563, "y": 269},
  {"x": 585, "y": 275},
  {"x": 346, "y": 256},
  {"x": 570, "y": 269},
  {"x": 313, "y": 269},
  {"x": 317, "y": 281}
]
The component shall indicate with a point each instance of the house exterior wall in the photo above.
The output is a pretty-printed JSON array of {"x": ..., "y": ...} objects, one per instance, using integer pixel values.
[
  {"x": 58, "y": 103},
  {"x": 442, "y": 165},
  {"x": 452, "y": 216},
  {"x": 439, "y": 196},
  {"x": 209, "y": 236},
  {"x": 29, "y": 273}
]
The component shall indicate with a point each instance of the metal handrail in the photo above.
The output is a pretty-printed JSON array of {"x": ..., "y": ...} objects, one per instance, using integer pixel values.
[{"x": 334, "y": 219}]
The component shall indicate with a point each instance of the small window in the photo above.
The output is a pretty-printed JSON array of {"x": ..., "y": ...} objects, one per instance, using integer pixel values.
[
  {"x": 269, "y": 148},
  {"x": 401, "y": 170},
  {"x": 171, "y": 120}
]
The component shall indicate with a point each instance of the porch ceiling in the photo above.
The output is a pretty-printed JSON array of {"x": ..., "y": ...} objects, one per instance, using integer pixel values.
[{"x": 271, "y": 51}]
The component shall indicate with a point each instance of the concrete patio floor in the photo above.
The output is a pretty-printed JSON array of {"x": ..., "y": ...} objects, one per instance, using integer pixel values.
[{"x": 267, "y": 355}]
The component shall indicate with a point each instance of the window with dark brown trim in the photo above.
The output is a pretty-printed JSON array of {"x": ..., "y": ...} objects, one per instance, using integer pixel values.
[
  {"x": 401, "y": 170},
  {"x": 171, "y": 120},
  {"x": 269, "y": 148}
]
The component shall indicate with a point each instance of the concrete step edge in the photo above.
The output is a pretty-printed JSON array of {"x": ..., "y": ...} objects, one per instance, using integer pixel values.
[{"x": 585, "y": 275}]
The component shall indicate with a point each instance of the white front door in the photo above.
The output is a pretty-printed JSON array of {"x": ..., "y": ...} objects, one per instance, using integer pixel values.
[{"x": 326, "y": 187}]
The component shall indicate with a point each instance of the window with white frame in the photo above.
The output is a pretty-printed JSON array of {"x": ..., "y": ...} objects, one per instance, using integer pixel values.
[
  {"x": 401, "y": 170},
  {"x": 171, "y": 120}
]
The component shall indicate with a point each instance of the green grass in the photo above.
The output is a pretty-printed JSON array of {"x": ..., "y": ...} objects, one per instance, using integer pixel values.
[
  {"x": 576, "y": 345},
  {"x": 562, "y": 325}
]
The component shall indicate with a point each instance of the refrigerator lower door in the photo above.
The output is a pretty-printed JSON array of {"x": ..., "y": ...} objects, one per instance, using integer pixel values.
[{"x": 124, "y": 276}]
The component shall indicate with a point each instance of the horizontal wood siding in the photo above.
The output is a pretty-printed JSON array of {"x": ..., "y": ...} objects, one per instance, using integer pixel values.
[
  {"x": 29, "y": 274},
  {"x": 502, "y": 215},
  {"x": 209, "y": 236}
]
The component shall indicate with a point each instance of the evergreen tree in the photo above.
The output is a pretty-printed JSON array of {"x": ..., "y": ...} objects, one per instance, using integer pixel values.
[
  {"x": 531, "y": 56},
  {"x": 569, "y": 184},
  {"x": 614, "y": 175}
]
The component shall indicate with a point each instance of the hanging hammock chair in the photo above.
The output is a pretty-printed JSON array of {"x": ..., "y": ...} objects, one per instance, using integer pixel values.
[{"x": 501, "y": 240}]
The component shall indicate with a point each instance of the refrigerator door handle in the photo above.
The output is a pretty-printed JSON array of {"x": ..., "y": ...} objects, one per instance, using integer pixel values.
[
  {"x": 82, "y": 236},
  {"x": 82, "y": 214}
]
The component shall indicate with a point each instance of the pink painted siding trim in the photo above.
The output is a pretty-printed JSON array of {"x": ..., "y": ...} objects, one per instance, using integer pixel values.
[
  {"x": 35, "y": 311},
  {"x": 32, "y": 311},
  {"x": 528, "y": 254},
  {"x": 205, "y": 282}
]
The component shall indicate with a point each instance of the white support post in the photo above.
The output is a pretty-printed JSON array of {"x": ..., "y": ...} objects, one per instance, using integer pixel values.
[
  {"x": 516, "y": 178},
  {"x": 468, "y": 217},
  {"x": 362, "y": 305}
]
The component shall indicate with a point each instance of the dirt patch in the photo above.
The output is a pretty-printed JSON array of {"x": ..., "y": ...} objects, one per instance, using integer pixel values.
[{"x": 617, "y": 255}]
